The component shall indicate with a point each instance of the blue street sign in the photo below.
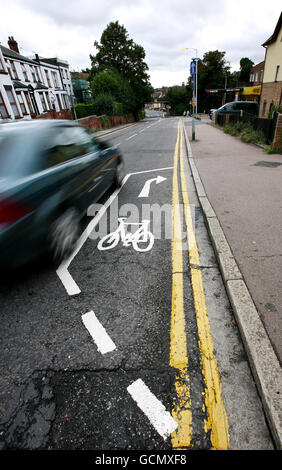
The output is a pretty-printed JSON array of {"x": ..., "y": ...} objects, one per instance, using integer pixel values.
[
  {"x": 193, "y": 81},
  {"x": 193, "y": 68}
]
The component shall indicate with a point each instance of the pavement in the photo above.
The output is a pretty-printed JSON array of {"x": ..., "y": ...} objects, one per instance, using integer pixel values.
[{"x": 239, "y": 187}]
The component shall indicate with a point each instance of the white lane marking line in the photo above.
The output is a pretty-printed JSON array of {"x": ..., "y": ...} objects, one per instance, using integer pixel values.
[
  {"x": 98, "y": 333},
  {"x": 62, "y": 271},
  {"x": 67, "y": 280},
  {"x": 128, "y": 138},
  {"x": 155, "y": 411},
  {"x": 117, "y": 130},
  {"x": 149, "y": 171}
]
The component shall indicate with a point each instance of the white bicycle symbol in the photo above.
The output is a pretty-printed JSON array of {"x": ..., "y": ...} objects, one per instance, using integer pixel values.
[{"x": 142, "y": 235}]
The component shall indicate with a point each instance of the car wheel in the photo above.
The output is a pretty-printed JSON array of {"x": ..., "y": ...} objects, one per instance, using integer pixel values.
[
  {"x": 64, "y": 233},
  {"x": 120, "y": 174}
]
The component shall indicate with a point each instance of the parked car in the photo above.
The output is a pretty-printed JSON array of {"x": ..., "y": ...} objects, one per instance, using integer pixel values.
[
  {"x": 211, "y": 111},
  {"x": 250, "y": 107},
  {"x": 50, "y": 172}
]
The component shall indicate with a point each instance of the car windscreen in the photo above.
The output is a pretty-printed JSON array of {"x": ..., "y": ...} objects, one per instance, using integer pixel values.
[{"x": 17, "y": 150}]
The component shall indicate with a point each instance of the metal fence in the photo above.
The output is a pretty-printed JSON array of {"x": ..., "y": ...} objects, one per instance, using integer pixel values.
[{"x": 267, "y": 126}]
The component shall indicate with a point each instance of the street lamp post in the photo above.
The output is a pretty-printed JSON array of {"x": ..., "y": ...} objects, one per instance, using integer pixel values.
[{"x": 196, "y": 84}]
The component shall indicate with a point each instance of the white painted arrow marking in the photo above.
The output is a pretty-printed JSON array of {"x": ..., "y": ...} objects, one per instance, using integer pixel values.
[{"x": 146, "y": 189}]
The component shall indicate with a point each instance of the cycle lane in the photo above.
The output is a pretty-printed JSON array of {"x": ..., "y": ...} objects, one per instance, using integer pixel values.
[
  {"x": 131, "y": 291},
  {"x": 155, "y": 271},
  {"x": 128, "y": 291}
]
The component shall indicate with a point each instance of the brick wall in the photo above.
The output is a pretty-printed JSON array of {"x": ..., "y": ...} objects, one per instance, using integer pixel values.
[
  {"x": 271, "y": 92},
  {"x": 97, "y": 122},
  {"x": 65, "y": 114},
  {"x": 277, "y": 141},
  {"x": 91, "y": 122}
]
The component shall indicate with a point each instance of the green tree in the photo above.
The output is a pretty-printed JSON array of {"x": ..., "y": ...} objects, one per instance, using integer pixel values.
[
  {"x": 178, "y": 98},
  {"x": 213, "y": 73},
  {"x": 117, "y": 52},
  {"x": 245, "y": 68},
  {"x": 103, "y": 104},
  {"x": 112, "y": 83}
]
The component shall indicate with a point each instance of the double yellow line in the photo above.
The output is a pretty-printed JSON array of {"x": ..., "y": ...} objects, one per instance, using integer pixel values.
[{"x": 216, "y": 423}]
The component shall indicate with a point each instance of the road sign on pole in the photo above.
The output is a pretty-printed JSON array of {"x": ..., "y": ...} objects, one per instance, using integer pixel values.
[{"x": 193, "y": 66}]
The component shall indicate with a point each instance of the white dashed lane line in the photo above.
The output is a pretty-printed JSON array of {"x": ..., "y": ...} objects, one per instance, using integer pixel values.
[
  {"x": 128, "y": 138},
  {"x": 98, "y": 333},
  {"x": 155, "y": 411}
]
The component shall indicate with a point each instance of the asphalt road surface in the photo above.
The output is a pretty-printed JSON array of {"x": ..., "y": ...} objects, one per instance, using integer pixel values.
[{"x": 132, "y": 343}]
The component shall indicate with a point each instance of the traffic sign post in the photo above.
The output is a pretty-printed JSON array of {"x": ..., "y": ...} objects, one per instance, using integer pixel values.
[
  {"x": 193, "y": 67},
  {"x": 194, "y": 73},
  {"x": 194, "y": 81}
]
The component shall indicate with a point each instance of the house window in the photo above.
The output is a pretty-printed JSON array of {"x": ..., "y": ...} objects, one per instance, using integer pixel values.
[
  {"x": 12, "y": 101},
  {"x": 24, "y": 72},
  {"x": 33, "y": 74},
  {"x": 14, "y": 70},
  {"x": 43, "y": 102},
  {"x": 21, "y": 102},
  {"x": 66, "y": 101},
  {"x": 271, "y": 105},
  {"x": 277, "y": 73},
  {"x": 47, "y": 78},
  {"x": 1, "y": 65},
  {"x": 264, "y": 108},
  {"x": 3, "y": 110},
  {"x": 261, "y": 75},
  {"x": 37, "y": 74},
  {"x": 9, "y": 69},
  {"x": 59, "y": 101},
  {"x": 48, "y": 100},
  {"x": 31, "y": 110},
  {"x": 55, "y": 79}
]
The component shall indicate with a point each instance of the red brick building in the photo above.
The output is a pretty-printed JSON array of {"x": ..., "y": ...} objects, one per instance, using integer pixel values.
[{"x": 256, "y": 74}]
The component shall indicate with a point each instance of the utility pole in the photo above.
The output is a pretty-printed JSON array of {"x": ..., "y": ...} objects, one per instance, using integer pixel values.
[
  {"x": 196, "y": 89},
  {"x": 224, "y": 95}
]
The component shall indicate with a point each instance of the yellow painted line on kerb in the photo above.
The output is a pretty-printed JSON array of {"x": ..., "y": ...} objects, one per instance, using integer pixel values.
[
  {"x": 216, "y": 422},
  {"x": 182, "y": 412}
]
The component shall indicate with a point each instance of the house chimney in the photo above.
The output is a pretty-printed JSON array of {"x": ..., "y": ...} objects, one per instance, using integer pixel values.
[{"x": 13, "y": 45}]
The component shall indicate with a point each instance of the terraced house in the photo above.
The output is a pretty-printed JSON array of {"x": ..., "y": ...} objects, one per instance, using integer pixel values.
[{"x": 33, "y": 87}]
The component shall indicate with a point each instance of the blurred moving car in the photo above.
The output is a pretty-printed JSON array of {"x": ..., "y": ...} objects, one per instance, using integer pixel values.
[
  {"x": 250, "y": 107},
  {"x": 50, "y": 172}
]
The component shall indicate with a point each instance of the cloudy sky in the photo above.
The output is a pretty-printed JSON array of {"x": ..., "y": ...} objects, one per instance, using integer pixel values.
[{"x": 68, "y": 29}]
